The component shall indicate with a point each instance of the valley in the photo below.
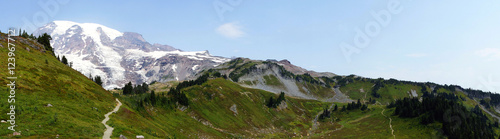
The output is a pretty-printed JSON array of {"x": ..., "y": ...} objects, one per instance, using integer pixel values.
[{"x": 227, "y": 98}]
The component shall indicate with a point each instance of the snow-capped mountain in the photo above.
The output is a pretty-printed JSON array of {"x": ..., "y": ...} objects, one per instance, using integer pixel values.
[{"x": 120, "y": 57}]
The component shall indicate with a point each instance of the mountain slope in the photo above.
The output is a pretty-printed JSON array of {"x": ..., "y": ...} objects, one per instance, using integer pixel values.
[
  {"x": 276, "y": 77},
  {"x": 122, "y": 57},
  {"x": 233, "y": 103},
  {"x": 220, "y": 108},
  {"x": 217, "y": 108},
  {"x": 77, "y": 103}
]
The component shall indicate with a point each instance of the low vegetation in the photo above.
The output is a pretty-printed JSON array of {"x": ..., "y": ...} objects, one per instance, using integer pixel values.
[
  {"x": 55, "y": 100},
  {"x": 51, "y": 98},
  {"x": 456, "y": 120}
]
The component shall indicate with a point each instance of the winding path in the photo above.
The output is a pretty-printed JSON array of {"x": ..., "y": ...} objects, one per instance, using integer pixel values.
[
  {"x": 390, "y": 123},
  {"x": 109, "y": 129},
  {"x": 315, "y": 122}
]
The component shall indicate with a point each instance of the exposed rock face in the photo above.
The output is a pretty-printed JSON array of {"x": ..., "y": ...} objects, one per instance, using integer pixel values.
[
  {"x": 299, "y": 70},
  {"x": 278, "y": 76},
  {"x": 122, "y": 57},
  {"x": 234, "y": 109}
]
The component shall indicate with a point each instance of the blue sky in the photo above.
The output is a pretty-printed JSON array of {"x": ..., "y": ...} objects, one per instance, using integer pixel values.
[{"x": 447, "y": 42}]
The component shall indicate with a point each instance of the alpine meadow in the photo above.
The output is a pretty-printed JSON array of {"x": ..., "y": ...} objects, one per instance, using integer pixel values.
[{"x": 249, "y": 69}]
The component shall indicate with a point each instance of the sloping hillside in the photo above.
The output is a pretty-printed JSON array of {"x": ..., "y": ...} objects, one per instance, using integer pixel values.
[
  {"x": 239, "y": 99},
  {"x": 220, "y": 108},
  {"x": 51, "y": 98},
  {"x": 272, "y": 76},
  {"x": 217, "y": 108}
]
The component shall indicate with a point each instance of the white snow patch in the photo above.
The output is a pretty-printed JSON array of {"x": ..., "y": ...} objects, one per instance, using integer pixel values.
[
  {"x": 112, "y": 86},
  {"x": 140, "y": 53},
  {"x": 195, "y": 55},
  {"x": 84, "y": 66},
  {"x": 142, "y": 73},
  {"x": 138, "y": 64},
  {"x": 89, "y": 29},
  {"x": 174, "y": 67},
  {"x": 194, "y": 67}
]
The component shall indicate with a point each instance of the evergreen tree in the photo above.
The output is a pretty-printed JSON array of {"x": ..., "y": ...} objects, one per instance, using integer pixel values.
[
  {"x": 280, "y": 98},
  {"x": 364, "y": 107},
  {"x": 335, "y": 108},
  {"x": 183, "y": 100},
  {"x": 376, "y": 87},
  {"x": 274, "y": 103},
  {"x": 270, "y": 103},
  {"x": 152, "y": 97},
  {"x": 64, "y": 60},
  {"x": 127, "y": 89},
  {"x": 145, "y": 87},
  {"x": 325, "y": 114},
  {"x": 31, "y": 36},
  {"x": 438, "y": 108},
  {"x": 98, "y": 80},
  {"x": 217, "y": 74},
  {"x": 137, "y": 89},
  {"x": 44, "y": 39}
]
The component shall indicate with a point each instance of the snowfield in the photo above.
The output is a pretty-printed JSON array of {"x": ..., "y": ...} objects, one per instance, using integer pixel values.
[{"x": 95, "y": 50}]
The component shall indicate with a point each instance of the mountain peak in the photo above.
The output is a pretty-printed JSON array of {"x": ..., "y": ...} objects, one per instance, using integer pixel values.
[
  {"x": 61, "y": 27},
  {"x": 119, "y": 58},
  {"x": 284, "y": 61}
]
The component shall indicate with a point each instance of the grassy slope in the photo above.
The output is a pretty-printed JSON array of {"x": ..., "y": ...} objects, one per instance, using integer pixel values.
[
  {"x": 372, "y": 124},
  {"x": 253, "y": 116},
  {"x": 388, "y": 93},
  {"x": 159, "y": 123},
  {"x": 72, "y": 95},
  {"x": 272, "y": 80},
  {"x": 209, "y": 115},
  {"x": 317, "y": 90},
  {"x": 210, "y": 104},
  {"x": 79, "y": 105},
  {"x": 353, "y": 90},
  {"x": 391, "y": 92}
]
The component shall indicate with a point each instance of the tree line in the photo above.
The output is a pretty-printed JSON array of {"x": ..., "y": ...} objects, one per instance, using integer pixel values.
[
  {"x": 43, "y": 39},
  {"x": 173, "y": 97},
  {"x": 457, "y": 121},
  {"x": 130, "y": 89},
  {"x": 354, "y": 106},
  {"x": 96, "y": 79},
  {"x": 350, "y": 106}
]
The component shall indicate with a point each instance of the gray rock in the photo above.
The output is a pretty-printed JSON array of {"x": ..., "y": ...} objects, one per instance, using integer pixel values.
[{"x": 233, "y": 108}]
